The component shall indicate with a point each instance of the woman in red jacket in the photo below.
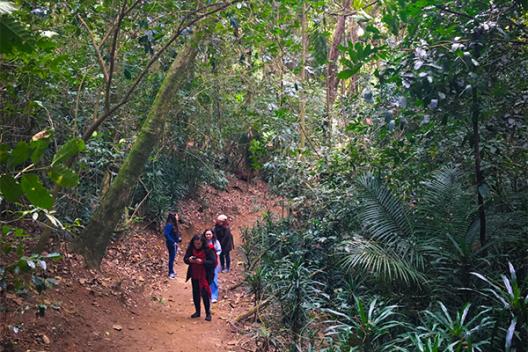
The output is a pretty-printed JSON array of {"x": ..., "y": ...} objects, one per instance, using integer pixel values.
[{"x": 201, "y": 260}]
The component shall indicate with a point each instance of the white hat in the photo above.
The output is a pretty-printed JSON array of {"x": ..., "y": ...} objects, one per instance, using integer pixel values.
[{"x": 221, "y": 217}]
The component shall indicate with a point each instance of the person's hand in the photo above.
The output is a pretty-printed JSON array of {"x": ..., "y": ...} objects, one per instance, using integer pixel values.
[
  {"x": 177, "y": 217},
  {"x": 198, "y": 261}
]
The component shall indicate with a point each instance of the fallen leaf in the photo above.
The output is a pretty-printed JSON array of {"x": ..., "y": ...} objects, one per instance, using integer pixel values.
[{"x": 45, "y": 339}]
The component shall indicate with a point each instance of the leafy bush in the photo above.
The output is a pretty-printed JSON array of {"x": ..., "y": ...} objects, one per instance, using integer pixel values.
[{"x": 25, "y": 172}]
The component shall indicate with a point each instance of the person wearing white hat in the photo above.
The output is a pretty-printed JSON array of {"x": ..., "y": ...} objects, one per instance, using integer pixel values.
[{"x": 223, "y": 234}]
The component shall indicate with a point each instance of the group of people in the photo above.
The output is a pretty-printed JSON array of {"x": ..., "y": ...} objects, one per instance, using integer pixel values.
[{"x": 207, "y": 255}]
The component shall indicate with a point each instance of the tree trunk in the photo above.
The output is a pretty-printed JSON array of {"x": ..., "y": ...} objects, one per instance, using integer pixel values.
[
  {"x": 478, "y": 172},
  {"x": 475, "y": 117},
  {"x": 302, "y": 98},
  {"x": 331, "y": 71},
  {"x": 98, "y": 233},
  {"x": 353, "y": 37}
]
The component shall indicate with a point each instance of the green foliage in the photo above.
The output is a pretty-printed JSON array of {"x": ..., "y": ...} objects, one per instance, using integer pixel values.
[
  {"x": 365, "y": 327},
  {"x": 15, "y": 183},
  {"x": 257, "y": 153},
  {"x": 17, "y": 270},
  {"x": 14, "y": 35},
  {"x": 358, "y": 54},
  {"x": 24, "y": 192},
  {"x": 404, "y": 253},
  {"x": 441, "y": 331},
  {"x": 512, "y": 299}
]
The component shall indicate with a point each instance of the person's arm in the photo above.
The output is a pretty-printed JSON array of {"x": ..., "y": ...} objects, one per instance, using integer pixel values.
[
  {"x": 218, "y": 247},
  {"x": 187, "y": 257},
  {"x": 210, "y": 258}
]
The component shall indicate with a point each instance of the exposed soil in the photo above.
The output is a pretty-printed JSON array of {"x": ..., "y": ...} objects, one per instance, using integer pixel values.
[{"x": 130, "y": 305}]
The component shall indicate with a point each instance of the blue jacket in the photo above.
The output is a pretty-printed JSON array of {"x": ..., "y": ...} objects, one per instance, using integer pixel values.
[{"x": 171, "y": 234}]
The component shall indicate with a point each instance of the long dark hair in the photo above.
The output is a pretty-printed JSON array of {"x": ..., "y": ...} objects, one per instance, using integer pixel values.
[
  {"x": 171, "y": 218},
  {"x": 214, "y": 235},
  {"x": 194, "y": 238}
]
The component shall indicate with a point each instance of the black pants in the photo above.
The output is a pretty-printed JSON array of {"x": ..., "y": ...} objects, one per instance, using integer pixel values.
[
  {"x": 225, "y": 260},
  {"x": 196, "y": 297}
]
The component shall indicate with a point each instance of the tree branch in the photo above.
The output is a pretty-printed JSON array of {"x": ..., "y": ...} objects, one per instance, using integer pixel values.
[
  {"x": 353, "y": 12},
  {"x": 107, "y": 34},
  {"x": 96, "y": 48},
  {"x": 112, "y": 56},
  {"x": 88, "y": 133},
  {"x": 446, "y": 9}
]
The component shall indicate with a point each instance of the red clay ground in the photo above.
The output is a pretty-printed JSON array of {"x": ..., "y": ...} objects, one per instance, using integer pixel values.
[{"x": 130, "y": 305}]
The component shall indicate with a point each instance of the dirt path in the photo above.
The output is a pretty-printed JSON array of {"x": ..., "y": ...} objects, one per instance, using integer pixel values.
[{"x": 166, "y": 325}]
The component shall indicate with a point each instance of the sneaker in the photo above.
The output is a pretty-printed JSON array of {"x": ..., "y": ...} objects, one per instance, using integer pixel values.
[
  {"x": 208, "y": 317},
  {"x": 224, "y": 270},
  {"x": 214, "y": 301},
  {"x": 195, "y": 315},
  {"x": 228, "y": 270},
  {"x": 172, "y": 276}
]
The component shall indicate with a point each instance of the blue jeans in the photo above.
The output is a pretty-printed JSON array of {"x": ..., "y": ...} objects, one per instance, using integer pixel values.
[
  {"x": 214, "y": 284},
  {"x": 225, "y": 260},
  {"x": 171, "y": 247}
]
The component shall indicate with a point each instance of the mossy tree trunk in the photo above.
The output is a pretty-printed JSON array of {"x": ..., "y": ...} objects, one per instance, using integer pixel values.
[{"x": 98, "y": 233}]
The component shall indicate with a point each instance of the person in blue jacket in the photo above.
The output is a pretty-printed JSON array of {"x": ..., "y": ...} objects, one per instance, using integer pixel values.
[{"x": 172, "y": 238}]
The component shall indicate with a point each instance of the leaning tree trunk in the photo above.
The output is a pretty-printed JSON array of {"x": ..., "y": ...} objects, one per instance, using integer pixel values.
[{"x": 98, "y": 233}]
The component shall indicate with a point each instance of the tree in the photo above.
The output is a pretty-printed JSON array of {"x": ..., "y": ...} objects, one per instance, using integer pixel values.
[
  {"x": 98, "y": 232},
  {"x": 331, "y": 73}
]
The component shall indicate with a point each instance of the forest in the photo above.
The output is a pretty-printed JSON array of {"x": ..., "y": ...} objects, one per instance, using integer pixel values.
[{"x": 395, "y": 133}]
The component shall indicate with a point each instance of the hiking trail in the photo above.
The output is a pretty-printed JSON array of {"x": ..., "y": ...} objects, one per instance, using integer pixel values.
[{"x": 131, "y": 305}]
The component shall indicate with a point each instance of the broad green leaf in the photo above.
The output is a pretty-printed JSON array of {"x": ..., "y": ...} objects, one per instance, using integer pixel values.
[
  {"x": 63, "y": 176},
  {"x": 4, "y": 152},
  {"x": 14, "y": 35},
  {"x": 68, "y": 150},
  {"x": 35, "y": 192},
  {"x": 19, "y": 154},
  {"x": 10, "y": 188},
  {"x": 348, "y": 72},
  {"x": 39, "y": 147}
]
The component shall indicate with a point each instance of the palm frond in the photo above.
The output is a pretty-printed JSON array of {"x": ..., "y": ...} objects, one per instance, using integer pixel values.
[
  {"x": 382, "y": 213},
  {"x": 369, "y": 257},
  {"x": 386, "y": 220},
  {"x": 6, "y": 7},
  {"x": 445, "y": 207}
]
